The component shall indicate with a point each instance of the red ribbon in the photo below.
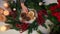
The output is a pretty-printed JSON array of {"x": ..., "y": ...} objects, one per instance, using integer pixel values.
[
  {"x": 23, "y": 26},
  {"x": 56, "y": 13},
  {"x": 40, "y": 18}
]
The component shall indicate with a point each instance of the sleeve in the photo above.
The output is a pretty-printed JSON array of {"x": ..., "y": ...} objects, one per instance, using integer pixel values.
[{"x": 22, "y": 1}]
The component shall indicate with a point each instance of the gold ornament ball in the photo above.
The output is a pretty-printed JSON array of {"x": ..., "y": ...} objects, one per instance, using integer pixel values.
[
  {"x": 2, "y": 18},
  {"x": 6, "y": 13},
  {"x": 6, "y": 5},
  {"x": 4, "y": 28},
  {"x": 1, "y": 11}
]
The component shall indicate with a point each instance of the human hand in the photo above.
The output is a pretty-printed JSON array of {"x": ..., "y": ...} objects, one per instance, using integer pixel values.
[{"x": 24, "y": 8}]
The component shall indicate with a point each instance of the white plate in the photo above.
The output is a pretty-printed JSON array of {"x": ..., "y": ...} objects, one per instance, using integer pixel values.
[{"x": 30, "y": 21}]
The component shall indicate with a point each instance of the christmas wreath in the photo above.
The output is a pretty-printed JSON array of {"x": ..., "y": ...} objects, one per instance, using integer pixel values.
[{"x": 37, "y": 13}]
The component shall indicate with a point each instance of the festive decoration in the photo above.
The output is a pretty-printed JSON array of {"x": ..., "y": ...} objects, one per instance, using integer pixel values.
[
  {"x": 40, "y": 3},
  {"x": 55, "y": 11},
  {"x": 23, "y": 26},
  {"x": 40, "y": 19},
  {"x": 6, "y": 5},
  {"x": 14, "y": 9},
  {"x": 2, "y": 18},
  {"x": 57, "y": 15},
  {"x": 30, "y": 15},
  {"x": 4, "y": 28},
  {"x": 6, "y": 12},
  {"x": 1, "y": 11}
]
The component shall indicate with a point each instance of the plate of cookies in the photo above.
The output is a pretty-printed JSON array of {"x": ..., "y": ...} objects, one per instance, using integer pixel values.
[{"x": 28, "y": 17}]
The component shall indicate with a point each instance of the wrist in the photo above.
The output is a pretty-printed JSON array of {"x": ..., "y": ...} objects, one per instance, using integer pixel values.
[{"x": 22, "y": 4}]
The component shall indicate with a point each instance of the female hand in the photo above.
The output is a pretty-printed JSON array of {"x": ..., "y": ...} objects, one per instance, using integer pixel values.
[{"x": 24, "y": 8}]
